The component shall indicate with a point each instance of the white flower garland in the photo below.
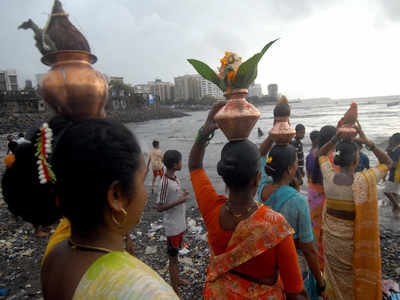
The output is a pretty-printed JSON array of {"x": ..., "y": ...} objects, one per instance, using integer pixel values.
[{"x": 43, "y": 149}]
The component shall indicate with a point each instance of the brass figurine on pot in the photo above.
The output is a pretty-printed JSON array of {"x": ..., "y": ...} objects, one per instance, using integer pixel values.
[{"x": 71, "y": 87}]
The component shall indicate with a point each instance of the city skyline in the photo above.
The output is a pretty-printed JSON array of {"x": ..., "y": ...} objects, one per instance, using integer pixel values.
[{"x": 333, "y": 48}]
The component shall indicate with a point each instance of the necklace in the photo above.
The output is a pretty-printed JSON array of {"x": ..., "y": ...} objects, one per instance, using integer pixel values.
[
  {"x": 239, "y": 215},
  {"x": 77, "y": 246}
]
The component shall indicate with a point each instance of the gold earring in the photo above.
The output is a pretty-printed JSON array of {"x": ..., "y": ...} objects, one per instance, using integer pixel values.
[
  {"x": 124, "y": 211},
  {"x": 119, "y": 224},
  {"x": 114, "y": 219}
]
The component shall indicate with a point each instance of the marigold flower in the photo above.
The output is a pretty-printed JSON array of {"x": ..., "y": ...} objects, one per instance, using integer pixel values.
[
  {"x": 231, "y": 76},
  {"x": 228, "y": 76},
  {"x": 224, "y": 61},
  {"x": 231, "y": 59}
]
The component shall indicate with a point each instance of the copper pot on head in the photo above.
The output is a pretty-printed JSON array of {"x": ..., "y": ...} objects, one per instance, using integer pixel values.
[
  {"x": 72, "y": 87},
  {"x": 282, "y": 132},
  {"x": 237, "y": 118}
]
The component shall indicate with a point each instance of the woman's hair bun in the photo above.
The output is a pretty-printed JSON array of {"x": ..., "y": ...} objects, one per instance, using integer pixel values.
[
  {"x": 345, "y": 154},
  {"x": 239, "y": 163},
  {"x": 226, "y": 167}
]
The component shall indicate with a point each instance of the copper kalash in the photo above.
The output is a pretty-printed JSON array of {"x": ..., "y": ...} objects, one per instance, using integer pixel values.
[
  {"x": 282, "y": 132},
  {"x": 71, "y": 87}
]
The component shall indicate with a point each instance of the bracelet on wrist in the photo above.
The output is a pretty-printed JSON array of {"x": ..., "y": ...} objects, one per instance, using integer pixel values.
[
  {"x": 371, "y": 147},
  {"x": 204, "y": 138}
]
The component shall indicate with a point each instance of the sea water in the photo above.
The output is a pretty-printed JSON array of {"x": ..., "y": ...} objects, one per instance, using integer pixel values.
[{"x": 378, "y": 120}]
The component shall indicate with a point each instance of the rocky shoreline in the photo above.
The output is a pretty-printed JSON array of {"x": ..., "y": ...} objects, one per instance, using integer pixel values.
[{"x": 23, "y": 122}]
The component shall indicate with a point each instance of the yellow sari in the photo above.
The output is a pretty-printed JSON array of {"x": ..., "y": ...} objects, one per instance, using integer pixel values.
[
  {"x": 115, "y": 275},
  {"x": 352, "y": 247},
  {"x": 367, "y": 253}
]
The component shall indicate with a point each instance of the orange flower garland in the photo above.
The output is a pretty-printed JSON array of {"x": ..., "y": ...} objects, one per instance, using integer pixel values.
[{"x": 229, "y": 65}]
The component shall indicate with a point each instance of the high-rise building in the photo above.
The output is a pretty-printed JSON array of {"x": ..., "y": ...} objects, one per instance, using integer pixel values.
[
  {"x": 273, "y": 90},
  {"x": 28, "y": 85},
  {"x": 39, "y": 78},
  {"x": 187, "y": 87},
  {"x": 141, "y": 89},
  {"x": 255, "y": 90},
  {"x": 8, "y": 80},
  {"x": 164, "y": 90},
  {"x": 195, "y": 87},
  {"x": 207, "y": 88}
]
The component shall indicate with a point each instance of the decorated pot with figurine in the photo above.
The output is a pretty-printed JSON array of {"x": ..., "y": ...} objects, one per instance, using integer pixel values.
[
  {"x": 237, "y": 118},
  {"x": 71, "y": 87}
]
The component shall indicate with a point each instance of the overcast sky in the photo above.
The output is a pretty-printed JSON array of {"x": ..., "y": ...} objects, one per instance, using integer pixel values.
[{"x": 327, "y": 48}]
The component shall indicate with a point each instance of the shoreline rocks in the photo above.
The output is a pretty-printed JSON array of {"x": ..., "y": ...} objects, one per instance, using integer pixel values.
[{"x": 22, "y": 122}]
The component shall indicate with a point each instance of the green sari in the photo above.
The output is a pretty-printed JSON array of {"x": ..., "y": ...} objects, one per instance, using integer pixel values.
[{"x": 119, "y": 275}]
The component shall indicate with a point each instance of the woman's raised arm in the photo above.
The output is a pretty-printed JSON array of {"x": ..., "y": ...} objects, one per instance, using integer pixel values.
[{"x": 204, "y": 134}]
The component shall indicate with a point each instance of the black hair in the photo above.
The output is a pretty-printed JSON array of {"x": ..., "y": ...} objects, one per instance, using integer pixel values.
[
  {"x": 325, "y": 134},
  {"x": 314, "y": 136},
  {"x": 300, "y": 127},
  {"x": 12, "y": 146},
  {"x": 395, "y": 139},
  {"x": 24, "y": 194},
  {"x": 239, "y": 163},
  {"x": 88, "y": 156},
  {"x": 171, "y": 157},
  {"x": 20, "y": 135},
  {"x": 279, "y": 159},
  {"x": 346, "y": 153},
  {"x": 155, "y": 143},
  {"x": 282, "y": 109},
  {"x": 91, "y": 155}
]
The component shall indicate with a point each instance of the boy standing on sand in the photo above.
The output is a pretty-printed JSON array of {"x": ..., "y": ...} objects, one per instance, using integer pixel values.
[
  {"x": 156, "y": 158},
  {"x": 172, "y": 203}
]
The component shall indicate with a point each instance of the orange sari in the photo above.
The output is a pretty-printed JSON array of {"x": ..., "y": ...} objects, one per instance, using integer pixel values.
[{"x": 260, "y": 232}]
